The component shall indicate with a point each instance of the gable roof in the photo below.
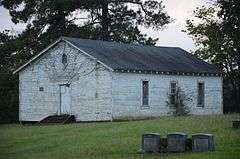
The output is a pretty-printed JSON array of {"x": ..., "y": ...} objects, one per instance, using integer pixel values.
[{"x": 118, "y": 56}]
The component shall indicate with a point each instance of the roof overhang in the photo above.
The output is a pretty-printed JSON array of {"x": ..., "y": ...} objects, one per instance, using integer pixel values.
[{"x": 170, "y": 73}]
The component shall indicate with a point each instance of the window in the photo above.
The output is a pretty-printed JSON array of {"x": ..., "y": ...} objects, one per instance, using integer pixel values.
[
  {"x": 64, "y": 59},
  {"x": 200, "y": 102},
  {"x": 41, "y": 89},
  {"x": 145, "y": 93},
  {"x": 173, "y": 91}
]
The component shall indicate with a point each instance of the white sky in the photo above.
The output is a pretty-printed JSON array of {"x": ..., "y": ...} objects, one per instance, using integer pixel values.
[{"x": 179, "y": 10}]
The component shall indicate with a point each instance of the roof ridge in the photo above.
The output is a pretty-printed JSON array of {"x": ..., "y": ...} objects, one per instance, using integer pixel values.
[{"x": 114, "y": 42}]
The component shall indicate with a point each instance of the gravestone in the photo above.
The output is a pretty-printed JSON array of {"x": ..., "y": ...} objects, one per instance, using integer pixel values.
[
  {"x": 151, "y": 142},
  {"x": 176, "y": 142},
  {"x": 202, "y": 142},
  {"x": 236, "y": 124}
]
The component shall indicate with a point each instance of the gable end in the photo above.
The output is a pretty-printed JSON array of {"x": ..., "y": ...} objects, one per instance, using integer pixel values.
[{"x": 51, "y": 46}]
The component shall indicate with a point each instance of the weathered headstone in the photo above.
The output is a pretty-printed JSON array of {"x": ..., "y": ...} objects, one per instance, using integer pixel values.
[
  {"x": 236, "y": 124},
  {"x": 202, "y": 142},
  {"x": 151, "y": 142},
  {"x": 176, "y": 142}
]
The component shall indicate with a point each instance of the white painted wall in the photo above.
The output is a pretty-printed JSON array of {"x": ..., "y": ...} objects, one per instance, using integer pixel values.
[
  {"x": 127, "y": 91},
  {"x": 92, "y": 96},
  {"x": 90, "y": 92}
]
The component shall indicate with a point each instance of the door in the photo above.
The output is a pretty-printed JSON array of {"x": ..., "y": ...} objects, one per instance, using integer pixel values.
[{"x": 65, "y": 99}]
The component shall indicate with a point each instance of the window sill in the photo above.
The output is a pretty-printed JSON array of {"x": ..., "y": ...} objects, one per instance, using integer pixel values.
[
  {"x": 172, "y": 107},
  {"x": 200, "y": 106},
  {"x": 145, "y": 107}
]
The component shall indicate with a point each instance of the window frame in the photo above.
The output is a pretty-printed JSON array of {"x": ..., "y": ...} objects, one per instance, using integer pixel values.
[
  {"x": 41, "y": 89},
  {"x": 143, "y": 105},
  {"x": 170, "y": 91},
  {"x": 203, "y": 102},
  {"x": 64, "y": 58}
]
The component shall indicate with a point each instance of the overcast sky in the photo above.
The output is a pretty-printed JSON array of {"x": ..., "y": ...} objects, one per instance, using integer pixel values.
[{"x": 179, "y": 10}]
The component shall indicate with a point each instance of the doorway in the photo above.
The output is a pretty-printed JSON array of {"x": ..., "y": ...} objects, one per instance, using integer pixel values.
[{"x": 65, "y": 99}]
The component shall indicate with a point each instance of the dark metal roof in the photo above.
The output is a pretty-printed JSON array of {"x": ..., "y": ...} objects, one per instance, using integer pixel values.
[{"x": 120, "y": 56}]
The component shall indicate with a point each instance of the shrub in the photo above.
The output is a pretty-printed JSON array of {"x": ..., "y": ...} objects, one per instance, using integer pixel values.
[{"x": 177, "y": 103}]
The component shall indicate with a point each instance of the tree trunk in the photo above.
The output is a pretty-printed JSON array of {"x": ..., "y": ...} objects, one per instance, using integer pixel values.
[{"x": 105, "y": 21}]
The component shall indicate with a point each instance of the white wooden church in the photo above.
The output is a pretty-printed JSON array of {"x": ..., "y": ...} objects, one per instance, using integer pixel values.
[{"x": 102, "y": 81}]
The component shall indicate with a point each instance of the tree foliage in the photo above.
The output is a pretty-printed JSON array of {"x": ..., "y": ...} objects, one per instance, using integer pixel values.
[
  {"x": 216, "y": 31},
  {"x": 8, "y": 96},
  {"x": 111, "y": 20}
]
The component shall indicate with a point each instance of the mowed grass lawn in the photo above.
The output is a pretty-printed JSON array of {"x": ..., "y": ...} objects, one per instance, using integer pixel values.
[{"x": 115, "y": 139}]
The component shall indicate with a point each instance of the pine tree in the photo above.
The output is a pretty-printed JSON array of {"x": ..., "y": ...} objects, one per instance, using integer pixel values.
[{"x": 110, "y": 20}]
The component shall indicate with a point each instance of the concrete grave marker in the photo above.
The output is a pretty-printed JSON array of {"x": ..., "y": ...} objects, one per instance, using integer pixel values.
[
  {"x": 202, "y": 142},
  {"x": 236, "y": 124},
  {"x": 151, "y": 142},
  {"x": 176, "y": 142}
]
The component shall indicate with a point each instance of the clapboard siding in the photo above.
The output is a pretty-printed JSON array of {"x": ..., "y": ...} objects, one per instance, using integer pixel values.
[
  {"x": 127, "y": 91},
  {"x": 90, "y": 92}
]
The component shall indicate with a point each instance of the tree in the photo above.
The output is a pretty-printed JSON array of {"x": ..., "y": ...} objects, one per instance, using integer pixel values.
[
  {"x": 70, "y": 67},
  {"x": 216, "y": 34},
  {"x": 110, "y": 20},
  {"x": 8, "y": 96}
]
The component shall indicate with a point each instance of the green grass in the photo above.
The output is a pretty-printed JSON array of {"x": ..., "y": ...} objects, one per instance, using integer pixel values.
[{"x": 116, "y": 139}]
